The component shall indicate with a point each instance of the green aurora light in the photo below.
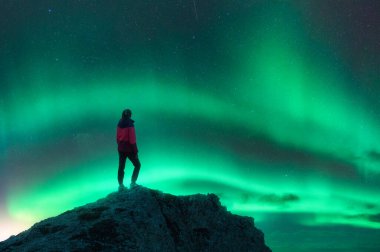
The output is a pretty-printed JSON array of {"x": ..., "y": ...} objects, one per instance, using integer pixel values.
[{"x": 258, "y": 110}]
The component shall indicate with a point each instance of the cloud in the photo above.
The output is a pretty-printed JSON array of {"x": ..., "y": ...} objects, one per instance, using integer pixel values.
[
  {"x": 368, "y": 217},
  {"x": 267, "y": 150},
  {"x": 279, "y": 199},
  {"x": 374, "y": 155},
  {"x": 246, "y": 196},
  {"x": 370, "y": 206},
  {"x": 374, "y": 217}
]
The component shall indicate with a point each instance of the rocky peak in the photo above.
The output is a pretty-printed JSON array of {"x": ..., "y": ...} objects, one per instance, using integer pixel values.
[{"x": 142, "y": 219}]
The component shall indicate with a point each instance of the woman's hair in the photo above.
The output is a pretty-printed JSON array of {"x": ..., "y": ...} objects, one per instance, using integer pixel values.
[{"x": 127, "y": 113}]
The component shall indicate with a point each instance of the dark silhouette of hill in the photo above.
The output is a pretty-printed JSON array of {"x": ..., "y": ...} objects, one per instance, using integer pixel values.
[{"x": 141, "y": 219}]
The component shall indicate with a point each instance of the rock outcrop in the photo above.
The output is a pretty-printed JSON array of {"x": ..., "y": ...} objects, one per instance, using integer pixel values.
[{"x": 142, "y": 219}]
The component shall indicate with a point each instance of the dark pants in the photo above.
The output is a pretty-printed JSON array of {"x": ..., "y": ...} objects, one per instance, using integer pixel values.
[{"x": 135, "y": 161}]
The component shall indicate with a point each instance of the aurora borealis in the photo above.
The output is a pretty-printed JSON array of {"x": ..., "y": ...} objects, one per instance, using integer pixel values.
[{"x": 272, "y": 105}]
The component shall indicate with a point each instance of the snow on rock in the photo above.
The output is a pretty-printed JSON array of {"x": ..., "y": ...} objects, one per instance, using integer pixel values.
[{"x": 142, "y": 219}]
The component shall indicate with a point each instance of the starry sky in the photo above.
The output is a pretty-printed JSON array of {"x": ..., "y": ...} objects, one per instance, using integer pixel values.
[{"x": 272, "y": 105}]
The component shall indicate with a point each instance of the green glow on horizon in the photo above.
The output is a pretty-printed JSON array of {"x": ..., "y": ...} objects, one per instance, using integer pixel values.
[{"x": 76, "y": 187}]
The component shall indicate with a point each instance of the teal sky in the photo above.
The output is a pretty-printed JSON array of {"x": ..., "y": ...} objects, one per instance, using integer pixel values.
[{"x": 271, "y": 105}]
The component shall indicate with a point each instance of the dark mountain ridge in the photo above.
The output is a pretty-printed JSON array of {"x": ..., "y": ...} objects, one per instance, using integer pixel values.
[{"x": 141, "y": 219}]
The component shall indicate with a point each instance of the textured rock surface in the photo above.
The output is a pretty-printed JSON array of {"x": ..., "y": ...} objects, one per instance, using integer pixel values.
[{"x": 143, "y": 220}]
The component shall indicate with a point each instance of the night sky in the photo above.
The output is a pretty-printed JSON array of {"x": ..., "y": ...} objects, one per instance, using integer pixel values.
[{"x": 272, "y": 105}]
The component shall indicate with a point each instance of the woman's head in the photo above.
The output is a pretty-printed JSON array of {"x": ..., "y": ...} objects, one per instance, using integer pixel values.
[{"x": 127, "y": 113}]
